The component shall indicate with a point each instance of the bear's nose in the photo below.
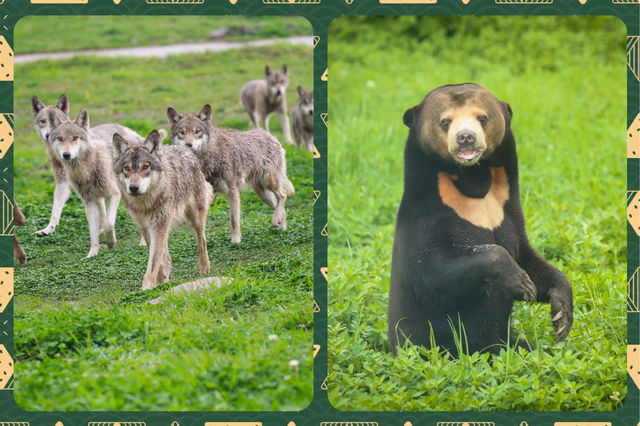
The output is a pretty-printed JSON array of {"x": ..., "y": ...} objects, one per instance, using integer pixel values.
[{"x": 464, "y": 137}]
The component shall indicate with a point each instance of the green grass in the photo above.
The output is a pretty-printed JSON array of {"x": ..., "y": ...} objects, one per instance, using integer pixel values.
[
  {"x": 85, "y": 338},
  {"x": 565, "y": 79},
  {"x": 99, "y": 32}
]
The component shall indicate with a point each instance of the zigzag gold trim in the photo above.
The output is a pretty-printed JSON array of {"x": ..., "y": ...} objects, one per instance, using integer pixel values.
[
  {"x": 59, "y": 1},
  {"x": 324, "y": 117},
  {"x": 14, "y": 423},
  {"x": 325, "y": 230},
  {"x": 408, "y": 1},
  {"x": 625, "y": 1},
  {"x": 6, "y": 287},
  {"x": 325, "y": 75},
  {"x": 6, "y": 368},
  {"x": 316, "y": 195},
  {"x": 316, "y": 348},
  {"x": 348, "y": 423},
  {"x": 233, "y": 424},
  {"x": 582, "y": 424},
  {"x": 466, "y": 424},
  {"x": 117, "y": 423},
  {"x": 6, "y": 208},
  {"x": 316, "y": 307},
  {"x": 316, "y": 40},
  {"x": 324, "y": 387},
  {"x": 316, "y": 153},
  {"x": 633, "y": 55},
  {"x": 633, "y": 295}
]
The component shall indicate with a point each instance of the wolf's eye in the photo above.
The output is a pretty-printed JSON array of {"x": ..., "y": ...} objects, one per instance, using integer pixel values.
[
  {"x": 445, "y": 124},
  {"x": 75, "y": 138},
  {"x": 197, "y": 131},
  {"x": 59, "y": 138},
  {"x": 145, "y": 167},
  {"x": 181, "y": 133},
  {"x": 483, "y": 119},
  {"x": 127, "y": 168},
  {"x": 42, "y": 121}
]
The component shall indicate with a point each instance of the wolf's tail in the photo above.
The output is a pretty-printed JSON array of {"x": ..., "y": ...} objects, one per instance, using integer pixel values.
[{"x": 163, "y": 133}]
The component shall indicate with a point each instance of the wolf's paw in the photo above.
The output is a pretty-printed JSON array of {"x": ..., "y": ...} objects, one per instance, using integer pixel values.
[
  {"x": 236, "y": 239},
  {"x": 204, "y": 269},
  {"x": 143, "y": 243},
  {"x": 45, "y": 232},
  {"x": 92, "y": 253}
]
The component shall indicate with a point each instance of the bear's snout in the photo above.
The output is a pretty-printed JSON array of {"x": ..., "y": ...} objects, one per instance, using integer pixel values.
[{"x": 466, "y": 137}]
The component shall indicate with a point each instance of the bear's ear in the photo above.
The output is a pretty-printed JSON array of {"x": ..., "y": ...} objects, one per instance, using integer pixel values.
[
  {"x": 409, "y": 116},
  {"x": 508, "y": 113}
]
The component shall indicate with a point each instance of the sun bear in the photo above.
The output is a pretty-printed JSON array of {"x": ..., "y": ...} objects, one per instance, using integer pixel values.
[{"x": 461, "y": 253}]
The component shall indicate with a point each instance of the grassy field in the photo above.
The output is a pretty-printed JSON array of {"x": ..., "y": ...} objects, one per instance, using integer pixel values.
[
  {"x": 565, "y": 79},
  {"x": 124, "y": 31},
  {"x": 85, "y": 338}
]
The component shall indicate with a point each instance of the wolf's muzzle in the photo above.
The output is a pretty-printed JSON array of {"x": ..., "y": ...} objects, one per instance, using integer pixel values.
[
  {"x": 66, "y": 155},
  {"x": 134, "y": 189}
]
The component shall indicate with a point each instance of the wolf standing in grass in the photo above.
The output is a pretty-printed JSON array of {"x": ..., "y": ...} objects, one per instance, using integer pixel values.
[
  {"x": 43, "y": 127},
  {"x": 162, "y": 186},
  {"x": 88, "y": 163},
  {"x": 232, "y": 160},
  {"x": 261, "y": 98},
  {"x": 303, "y": 120}
]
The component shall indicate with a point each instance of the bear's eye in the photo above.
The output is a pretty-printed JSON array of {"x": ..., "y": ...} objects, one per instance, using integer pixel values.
[
  {"x": 483, "y": 119},
  {"x": 445, "y": 124}
]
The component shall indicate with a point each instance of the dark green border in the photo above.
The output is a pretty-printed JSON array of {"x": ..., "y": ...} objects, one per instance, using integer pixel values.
[{"x": 320, "y": 16}]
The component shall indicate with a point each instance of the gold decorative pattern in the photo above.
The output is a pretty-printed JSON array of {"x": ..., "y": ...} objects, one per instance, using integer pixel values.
[
  {"x": 233, "y": 424},
  {"x": 325, "y": 230},
  {"x": 117, "y": 424},
  {"x": 633, "y": 296},
  {"x": 316, "y": 40},
  {"x": 408, "y": 1},
  {"x": 324, "y": 387},
  {"x": 14, "y": 423},
  {"x": 626, "y": 2},
  {"x": 316, "y": 349},
  {"x": 6, "y": 368},
  {"x": 6, "y": 287},
  {"x": 6, "y": 133},
  {"x": 316, "y": 153},
  {"x": 6, "y": 60},
  {"x": 466, "y": 424},
  {"x": 633, "y": 210},
  {"x": 324, "y": 117},
  {"x": 633, "y": 54},
  {"x": 633, "y": 138},
  {"x": 633, "y": 363},
  {"x": 582, "y": 424},
  {"x": 325, "y": 75},
  {"x": 316, "y": 307},
  {"x": 348, "y": 423},
  {"x": 7, "y": 215},
  {"x": 325, "y": 272},
  {"x": 316, "y": 195}
]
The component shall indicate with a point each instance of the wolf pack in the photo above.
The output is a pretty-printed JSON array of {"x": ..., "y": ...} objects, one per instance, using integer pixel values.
[{"x": 162, "y": 185}]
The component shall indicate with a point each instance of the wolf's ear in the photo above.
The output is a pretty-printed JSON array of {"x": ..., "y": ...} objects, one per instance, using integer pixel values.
[
  {"x": 205, "y": 113},
  {"x": 82, "y": 119},
  {"x": 267, "y": 70},
  {"x": 54, "y": 120},
  {"x": 300, "y": 91},
  {"x": 120, "y": 144},
  {"x": 409, "y": 116},
  {"x": 285, "y": 70},
  {"x": 153, "y": 141},
  {"x": 36, "y": 105},
  {"x": 63, "y": 103},
  {"x": 173, "y": 115}
]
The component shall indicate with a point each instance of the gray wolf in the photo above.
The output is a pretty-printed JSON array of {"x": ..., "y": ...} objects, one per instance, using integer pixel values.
[
  {"x": 42, "y": 126},
  {"x": 461, "y": 252},
  {"x": 261, "y": 98},
  {"x": 232, "y": 160},
  {"x": 302, "y": 118},
  {"x": 162, "y": 186},
  {"x": 87, "y": 161}
]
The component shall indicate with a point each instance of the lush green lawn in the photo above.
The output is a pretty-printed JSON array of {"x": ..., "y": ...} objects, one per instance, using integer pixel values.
[
  {"x": 123, "y": 31},
  {"x": 85, "y": 339},
  {"x": 565, "y": 80}
]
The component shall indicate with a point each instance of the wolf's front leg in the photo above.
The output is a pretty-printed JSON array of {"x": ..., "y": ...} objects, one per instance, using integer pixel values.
[
  {"x": 309, "y": 144},
  {"x": 158, "y": 252},
  {"x": 149, "y": 280},
  {"x": 284, "y": 123},
  {"x": 92, "y": 210},
  {"x": 233, "y": 196},
  {"x": 60, "y": 196},
  {"x": 110, "y": 221}
]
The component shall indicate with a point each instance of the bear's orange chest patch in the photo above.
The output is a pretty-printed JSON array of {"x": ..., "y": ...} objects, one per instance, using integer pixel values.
[{"x": 486, "y": 212}]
